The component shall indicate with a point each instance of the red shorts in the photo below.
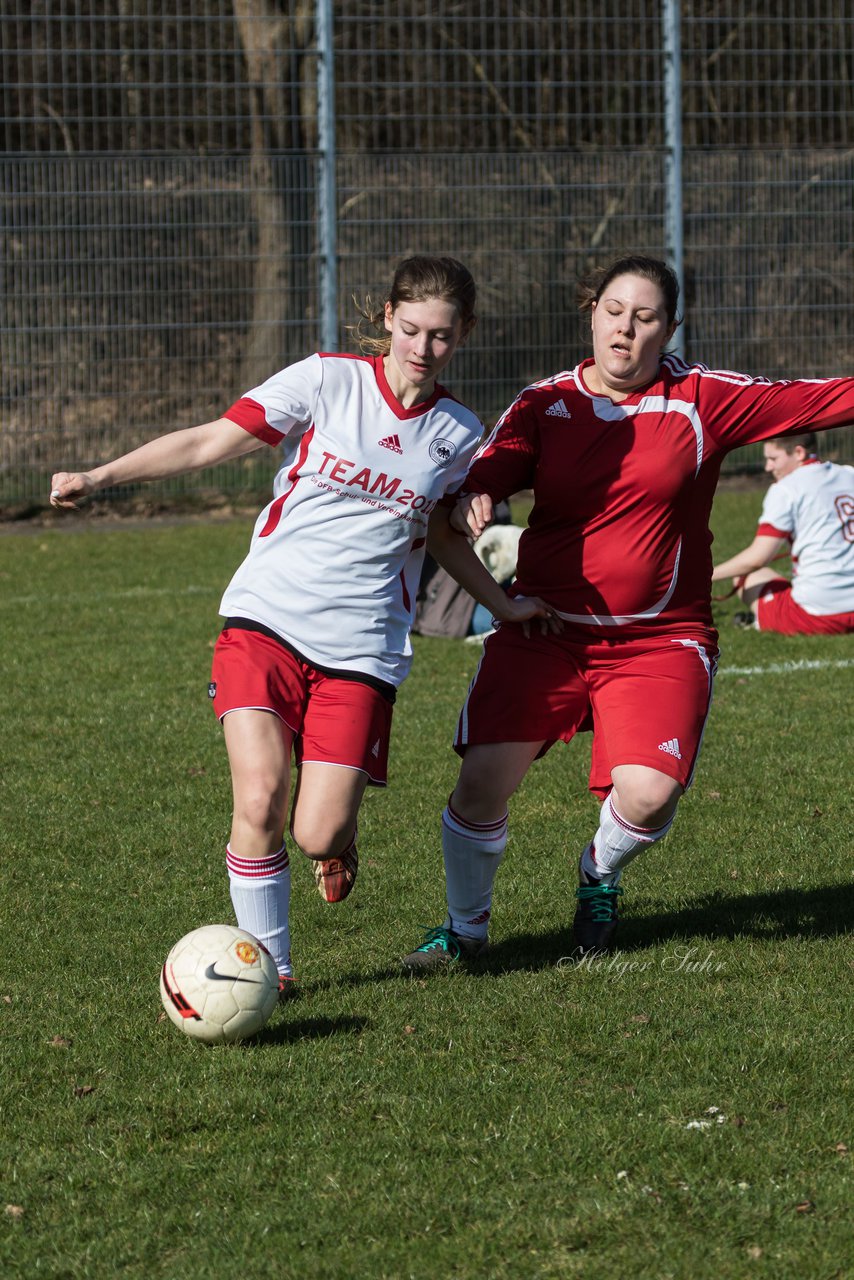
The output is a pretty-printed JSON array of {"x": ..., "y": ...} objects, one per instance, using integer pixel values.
[
  {"x": 334, "y": 720},
  {"x": 777, "y": 611},
  {"x": 645, "y": 700}
]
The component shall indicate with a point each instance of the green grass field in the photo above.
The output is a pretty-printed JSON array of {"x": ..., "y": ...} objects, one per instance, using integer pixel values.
[{"x": 681, "y": 1111}]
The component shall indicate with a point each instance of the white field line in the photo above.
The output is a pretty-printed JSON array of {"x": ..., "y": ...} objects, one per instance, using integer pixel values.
[{"x": 784, "y": 668}]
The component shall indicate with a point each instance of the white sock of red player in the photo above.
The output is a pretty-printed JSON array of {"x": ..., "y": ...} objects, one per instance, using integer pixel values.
[
  {"x": 261, "y": 897},
  {"x": 616, "y": 843},
  {"x": 472, "y": 853}
]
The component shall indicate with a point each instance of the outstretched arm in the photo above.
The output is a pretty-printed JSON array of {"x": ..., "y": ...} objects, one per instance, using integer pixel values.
[
  {"x": 761, "y": 552},
  {"x": 454, "y": 552},
  {"x": 169, "y": 455}
]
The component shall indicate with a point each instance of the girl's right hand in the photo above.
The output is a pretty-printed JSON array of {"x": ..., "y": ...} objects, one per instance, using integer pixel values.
[
  {"x": 68, "y": 487},
  {"x": 525, "y": 609}
]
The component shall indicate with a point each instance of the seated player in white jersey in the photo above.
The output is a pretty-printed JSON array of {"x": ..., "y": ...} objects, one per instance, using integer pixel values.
[
  {"x": 623, "y": 453},
  {"x": 810, "y": 511},
  {"x": 316, "y": 639}
]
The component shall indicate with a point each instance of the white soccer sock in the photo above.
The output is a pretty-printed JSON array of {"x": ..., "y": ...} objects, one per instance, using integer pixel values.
[
  {"x": 261, "y": 896},
  {"x": 473, "y": 853},
  {"x": 616, "y": 843}
]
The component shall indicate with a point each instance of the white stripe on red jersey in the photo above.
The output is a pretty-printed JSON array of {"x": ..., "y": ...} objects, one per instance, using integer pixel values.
[{"x": 619, "y": 533}]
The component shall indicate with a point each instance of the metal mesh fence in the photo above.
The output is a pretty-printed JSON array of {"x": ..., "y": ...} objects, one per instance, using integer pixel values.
[{"x": 161, "y": 251}]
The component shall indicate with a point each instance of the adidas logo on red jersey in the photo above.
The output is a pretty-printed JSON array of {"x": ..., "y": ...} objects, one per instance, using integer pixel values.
[
  {"x": 391, "y": 442},
  {"x": 558, "y": 410}
]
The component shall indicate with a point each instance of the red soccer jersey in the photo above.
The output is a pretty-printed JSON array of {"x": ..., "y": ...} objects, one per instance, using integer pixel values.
[{"x": 619, "y": 533}]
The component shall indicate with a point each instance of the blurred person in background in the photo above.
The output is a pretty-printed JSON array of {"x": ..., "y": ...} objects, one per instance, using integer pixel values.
[{"x": 808, "y": 510}]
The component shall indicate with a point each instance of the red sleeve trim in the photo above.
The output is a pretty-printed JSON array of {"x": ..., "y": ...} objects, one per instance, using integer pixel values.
[
  {"x": 769, "y": 531},
  {"x": 252, "y": 417}
]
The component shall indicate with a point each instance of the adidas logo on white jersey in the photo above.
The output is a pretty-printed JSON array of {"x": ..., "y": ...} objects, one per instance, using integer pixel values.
[
  {"x": 391, "y": 442},
  {"x": 558, "y": 410},
  {"x": 671, "y": 747}
]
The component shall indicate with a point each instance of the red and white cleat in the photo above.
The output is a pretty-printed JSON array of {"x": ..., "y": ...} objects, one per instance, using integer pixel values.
[{"x": 335, "y": 877}]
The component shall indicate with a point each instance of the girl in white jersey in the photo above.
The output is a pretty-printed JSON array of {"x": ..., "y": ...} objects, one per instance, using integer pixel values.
[
  {"x": 623, "y": 455},
  {"x": 316, "y": 639},
  {"x": 809, "y": 510}
]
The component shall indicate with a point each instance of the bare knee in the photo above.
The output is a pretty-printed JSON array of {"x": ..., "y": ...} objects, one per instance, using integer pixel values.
[
  {"x": 258, "y": 752},
  {"x": 321, "y": 839},
  {"x": 326, "y": 808},
  {"x": 260, "y": 806},
  {"x": 645, "y": 797},
  {"x": 755, "y": 585}
]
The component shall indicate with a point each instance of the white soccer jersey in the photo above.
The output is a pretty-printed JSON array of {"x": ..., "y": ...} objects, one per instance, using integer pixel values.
[
  {"x": 335, "y": 558},
  {"x": 813, "y": 507}
]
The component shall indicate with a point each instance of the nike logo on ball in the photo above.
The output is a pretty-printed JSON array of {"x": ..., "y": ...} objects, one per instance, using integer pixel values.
[{"x": 211, "y": 973}]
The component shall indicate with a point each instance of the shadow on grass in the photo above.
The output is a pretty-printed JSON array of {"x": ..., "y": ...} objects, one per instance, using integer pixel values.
[
  {"x": 284, "y": 1032},
  {"x": 787, "y": 913}
]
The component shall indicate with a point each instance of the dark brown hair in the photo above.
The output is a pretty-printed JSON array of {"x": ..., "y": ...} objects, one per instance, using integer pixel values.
[
  {"x": 418, "y": 279},
  {"x": 653, "y": 269},
  {"x": 807, "y": 440}
]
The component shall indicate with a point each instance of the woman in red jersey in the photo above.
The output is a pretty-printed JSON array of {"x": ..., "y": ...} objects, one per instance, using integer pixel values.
[
  {"x": 623, "y": 454},
  {"x": 316, "y": 639}
]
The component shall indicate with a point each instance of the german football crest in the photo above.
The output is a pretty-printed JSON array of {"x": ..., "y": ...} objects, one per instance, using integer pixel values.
[{"x": 443, "y": 452}]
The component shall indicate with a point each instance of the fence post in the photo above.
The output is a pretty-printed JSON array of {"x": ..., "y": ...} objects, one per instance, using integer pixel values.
[
  {"x": 327, "y": 186},
  {"x": 672, "y": 42}
]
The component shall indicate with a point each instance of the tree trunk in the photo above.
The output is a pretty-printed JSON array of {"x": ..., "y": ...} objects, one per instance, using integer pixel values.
[{"x": 277, "y": 47}]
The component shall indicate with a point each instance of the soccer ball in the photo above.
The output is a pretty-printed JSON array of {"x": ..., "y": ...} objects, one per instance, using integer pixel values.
[{"x": 219, "y": 984}]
